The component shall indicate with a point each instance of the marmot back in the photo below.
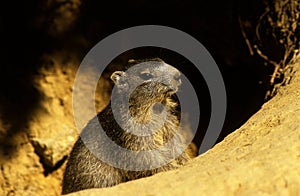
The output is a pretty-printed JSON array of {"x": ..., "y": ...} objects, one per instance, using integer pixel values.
[{"x": 147, "y": 122}]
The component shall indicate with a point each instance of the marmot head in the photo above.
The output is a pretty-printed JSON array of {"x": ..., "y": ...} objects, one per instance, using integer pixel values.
[
  {"x": 151, "y": 77},
  {"x": 147, "y": 83}
]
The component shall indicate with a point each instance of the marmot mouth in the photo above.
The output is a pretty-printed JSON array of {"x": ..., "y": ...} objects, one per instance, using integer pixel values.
[{"x": 173, "y": 90}]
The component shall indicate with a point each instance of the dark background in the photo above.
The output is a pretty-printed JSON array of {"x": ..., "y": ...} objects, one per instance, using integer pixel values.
[{"x": 27, "y": 31}]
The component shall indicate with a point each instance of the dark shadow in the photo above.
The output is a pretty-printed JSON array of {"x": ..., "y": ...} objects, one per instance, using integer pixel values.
[
  {"x": 20, "y": 50},
  {"x": 213, "y": 23},
  {"x": 23, "y": 44}
]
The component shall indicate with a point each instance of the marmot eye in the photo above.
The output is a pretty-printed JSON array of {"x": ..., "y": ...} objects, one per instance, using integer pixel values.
[{"x": 145, "y": 76}]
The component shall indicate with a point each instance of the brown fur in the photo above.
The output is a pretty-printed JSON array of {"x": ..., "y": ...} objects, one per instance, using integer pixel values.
[{"x": 84, "y": 170}]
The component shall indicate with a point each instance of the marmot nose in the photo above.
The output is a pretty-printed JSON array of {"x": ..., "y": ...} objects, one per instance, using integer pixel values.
[
  {"x": 176, "y": 74},
  {"x": 176, "y": 79}
]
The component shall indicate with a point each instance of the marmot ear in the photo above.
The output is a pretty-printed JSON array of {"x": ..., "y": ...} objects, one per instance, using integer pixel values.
[
  {"x": 116, "y": 76},
  {"x": 131, "y": 61}
]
